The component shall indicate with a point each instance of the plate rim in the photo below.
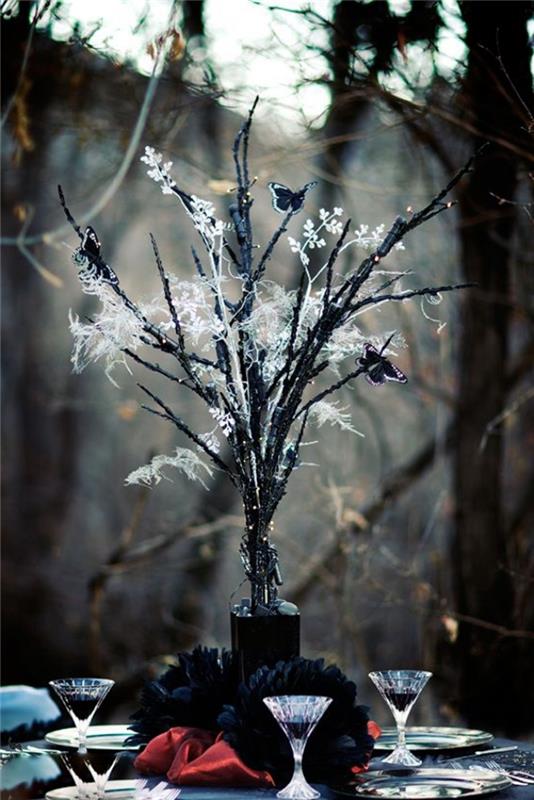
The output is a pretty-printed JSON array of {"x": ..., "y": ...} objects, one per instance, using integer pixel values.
[
  {"x": 68, "y": 737},
  {"x": 478, "y": 737},
  {"x": 497, "y": 779},
  {"x": 126, "y": 785}
]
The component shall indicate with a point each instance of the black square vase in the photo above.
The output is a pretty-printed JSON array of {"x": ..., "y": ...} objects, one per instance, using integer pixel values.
[{"x": 264, "y": 640}]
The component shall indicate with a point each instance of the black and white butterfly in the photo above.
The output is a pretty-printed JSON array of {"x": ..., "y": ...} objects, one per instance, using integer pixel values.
[
  {"x": 88, "y": 258},
  {"x": 378, "y": 368},
  {"x": 285, "y": 200}
]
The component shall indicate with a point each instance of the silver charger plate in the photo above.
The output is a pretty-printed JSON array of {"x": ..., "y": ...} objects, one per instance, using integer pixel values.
[
  {"x": 116, "y": 790},
  {"x": 99, "y": 737},
  {"x": 426, "y": 784},
  {"x": 425, "y": 738}
]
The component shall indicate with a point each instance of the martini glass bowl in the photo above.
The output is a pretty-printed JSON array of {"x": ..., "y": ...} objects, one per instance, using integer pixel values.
[
  {"x": 81, "y": 697},
  {"x": 400, "y": 688},
  {"x": 97, "y": 789},
  {"x": 101, "y": 777},
  {"x": 297, "y": 715}
]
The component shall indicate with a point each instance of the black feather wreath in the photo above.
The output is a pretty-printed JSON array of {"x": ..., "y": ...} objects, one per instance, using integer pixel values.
[
  {"x": 192, "y": 693},
  {"x": 339, "y": 742}
]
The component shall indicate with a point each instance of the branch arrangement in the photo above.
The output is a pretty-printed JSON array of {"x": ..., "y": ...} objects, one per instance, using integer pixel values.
[{"x": 247, "y": 347}]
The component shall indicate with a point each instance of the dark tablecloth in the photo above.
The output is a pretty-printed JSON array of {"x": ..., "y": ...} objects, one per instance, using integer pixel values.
[{"x": 525, "y": 752}]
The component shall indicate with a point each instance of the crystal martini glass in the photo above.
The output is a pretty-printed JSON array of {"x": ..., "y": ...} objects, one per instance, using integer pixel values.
[
  {"x": 81, "y": 697},
  {"x": 96, "y": 790},
  {"x": 101, "y": 778},
  {"x": 400, "y": 688},
  {"x": 297, "y": 715}
]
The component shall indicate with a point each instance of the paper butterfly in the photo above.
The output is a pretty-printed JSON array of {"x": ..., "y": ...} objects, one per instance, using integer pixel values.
[
  {"x": 285, "y": 200},
  {"x": 91, "y": 243},
  {"x": 88, "y": 257},
  {"x": 378, "y": 368}
]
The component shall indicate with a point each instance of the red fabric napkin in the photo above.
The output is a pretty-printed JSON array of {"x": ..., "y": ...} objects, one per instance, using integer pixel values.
[{"x": 197, "y": 757}]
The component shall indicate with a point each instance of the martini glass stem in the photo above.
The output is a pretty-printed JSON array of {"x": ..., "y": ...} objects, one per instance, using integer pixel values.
[
  {"x": 401, "y": 732},
  {"x": 83, "y": 727},
  {"x": 298, "y": 750}
]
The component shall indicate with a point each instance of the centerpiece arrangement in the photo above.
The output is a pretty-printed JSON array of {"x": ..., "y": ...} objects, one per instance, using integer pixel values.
[{"x": 257, "y": 355}]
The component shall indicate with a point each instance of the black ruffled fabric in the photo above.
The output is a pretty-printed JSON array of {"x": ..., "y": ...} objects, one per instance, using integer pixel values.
[
  {"x": 203, "y": 691},
  {"x": 192, "y": 693},
  {"x": 340, "y": 740}
]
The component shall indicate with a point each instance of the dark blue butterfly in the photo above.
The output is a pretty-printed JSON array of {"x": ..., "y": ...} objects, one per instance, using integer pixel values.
[
  {"x": 378, "y": 368},
  {"x": 285, "y": 200},
  {"x": 88, "y": 257}
]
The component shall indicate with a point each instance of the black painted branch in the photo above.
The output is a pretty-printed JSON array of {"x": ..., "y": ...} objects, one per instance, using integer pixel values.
[
  {"x": 330, "y": 390},
  {"x": 184, "y": 427}
]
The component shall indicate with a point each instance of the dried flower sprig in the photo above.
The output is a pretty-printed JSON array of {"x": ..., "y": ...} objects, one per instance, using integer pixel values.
[{"x": 255, "y": 357}]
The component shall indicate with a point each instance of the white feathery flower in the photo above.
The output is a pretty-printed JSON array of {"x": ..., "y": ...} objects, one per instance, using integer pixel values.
[
  {"x": 332, "y": 413},
  {"x": 344, "y": 342},
  {"x": 184, "y": 459},
  {"x": 112, "y": 330}
]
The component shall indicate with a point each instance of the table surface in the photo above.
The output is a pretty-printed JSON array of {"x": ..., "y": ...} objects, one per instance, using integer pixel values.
[{"x": 525, "y": 752}]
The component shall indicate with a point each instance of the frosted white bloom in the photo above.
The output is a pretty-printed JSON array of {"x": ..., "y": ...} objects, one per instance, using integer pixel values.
[
  {"x": 370, "y": 240},
  {"x": 294, "y": 246},
  {"x": 226, "y": 421},
  {"x": 211, "y": 441},
  {"x": 297, "y": 247},
  {"x": 183, "y": 459},
  {"x": 90, "y": 281},
  {"x": 202, "y": 215},
  {"x": 335, "y": 226},
  {"x": 158, "y": 170},
  {"x": 332, "y": 413},
  {"x": 332, "y": 224},
  {"x": 193, "y": 303},
  {"x": 269, "y": 326},
  {"x": 112, "y": 330},
  {"x": 311, "y": 239},
  {"x": 345, "y": 341},
  {"x": 312, "y": 236}
]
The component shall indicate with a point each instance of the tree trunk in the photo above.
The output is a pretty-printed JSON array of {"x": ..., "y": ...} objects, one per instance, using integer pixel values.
[{"x": 492, "y": 668}]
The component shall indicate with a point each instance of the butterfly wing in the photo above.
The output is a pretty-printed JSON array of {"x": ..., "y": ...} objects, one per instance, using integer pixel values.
[
  {"x": 88, "y": 254},
  {"x": 282, "y": 197},
  {"x": 91, "y": 243},
  {"x": 393, "y": 373},
  {"x": 375, "y": 374},
  {"x": 297, "y": 200},
  {"x": 378, "y": 368},
  {"x": 370, "y": 356},
  {"x": 107, "y": 274}
]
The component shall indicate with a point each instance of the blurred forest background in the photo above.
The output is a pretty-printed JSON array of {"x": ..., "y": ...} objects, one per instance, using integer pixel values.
[{"x": 410, "y": 547}]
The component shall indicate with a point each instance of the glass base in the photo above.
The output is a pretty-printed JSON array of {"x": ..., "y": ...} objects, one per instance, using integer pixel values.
[
  {"x": 401, "y": 755},
  {"x": 298, "y": 790}
]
